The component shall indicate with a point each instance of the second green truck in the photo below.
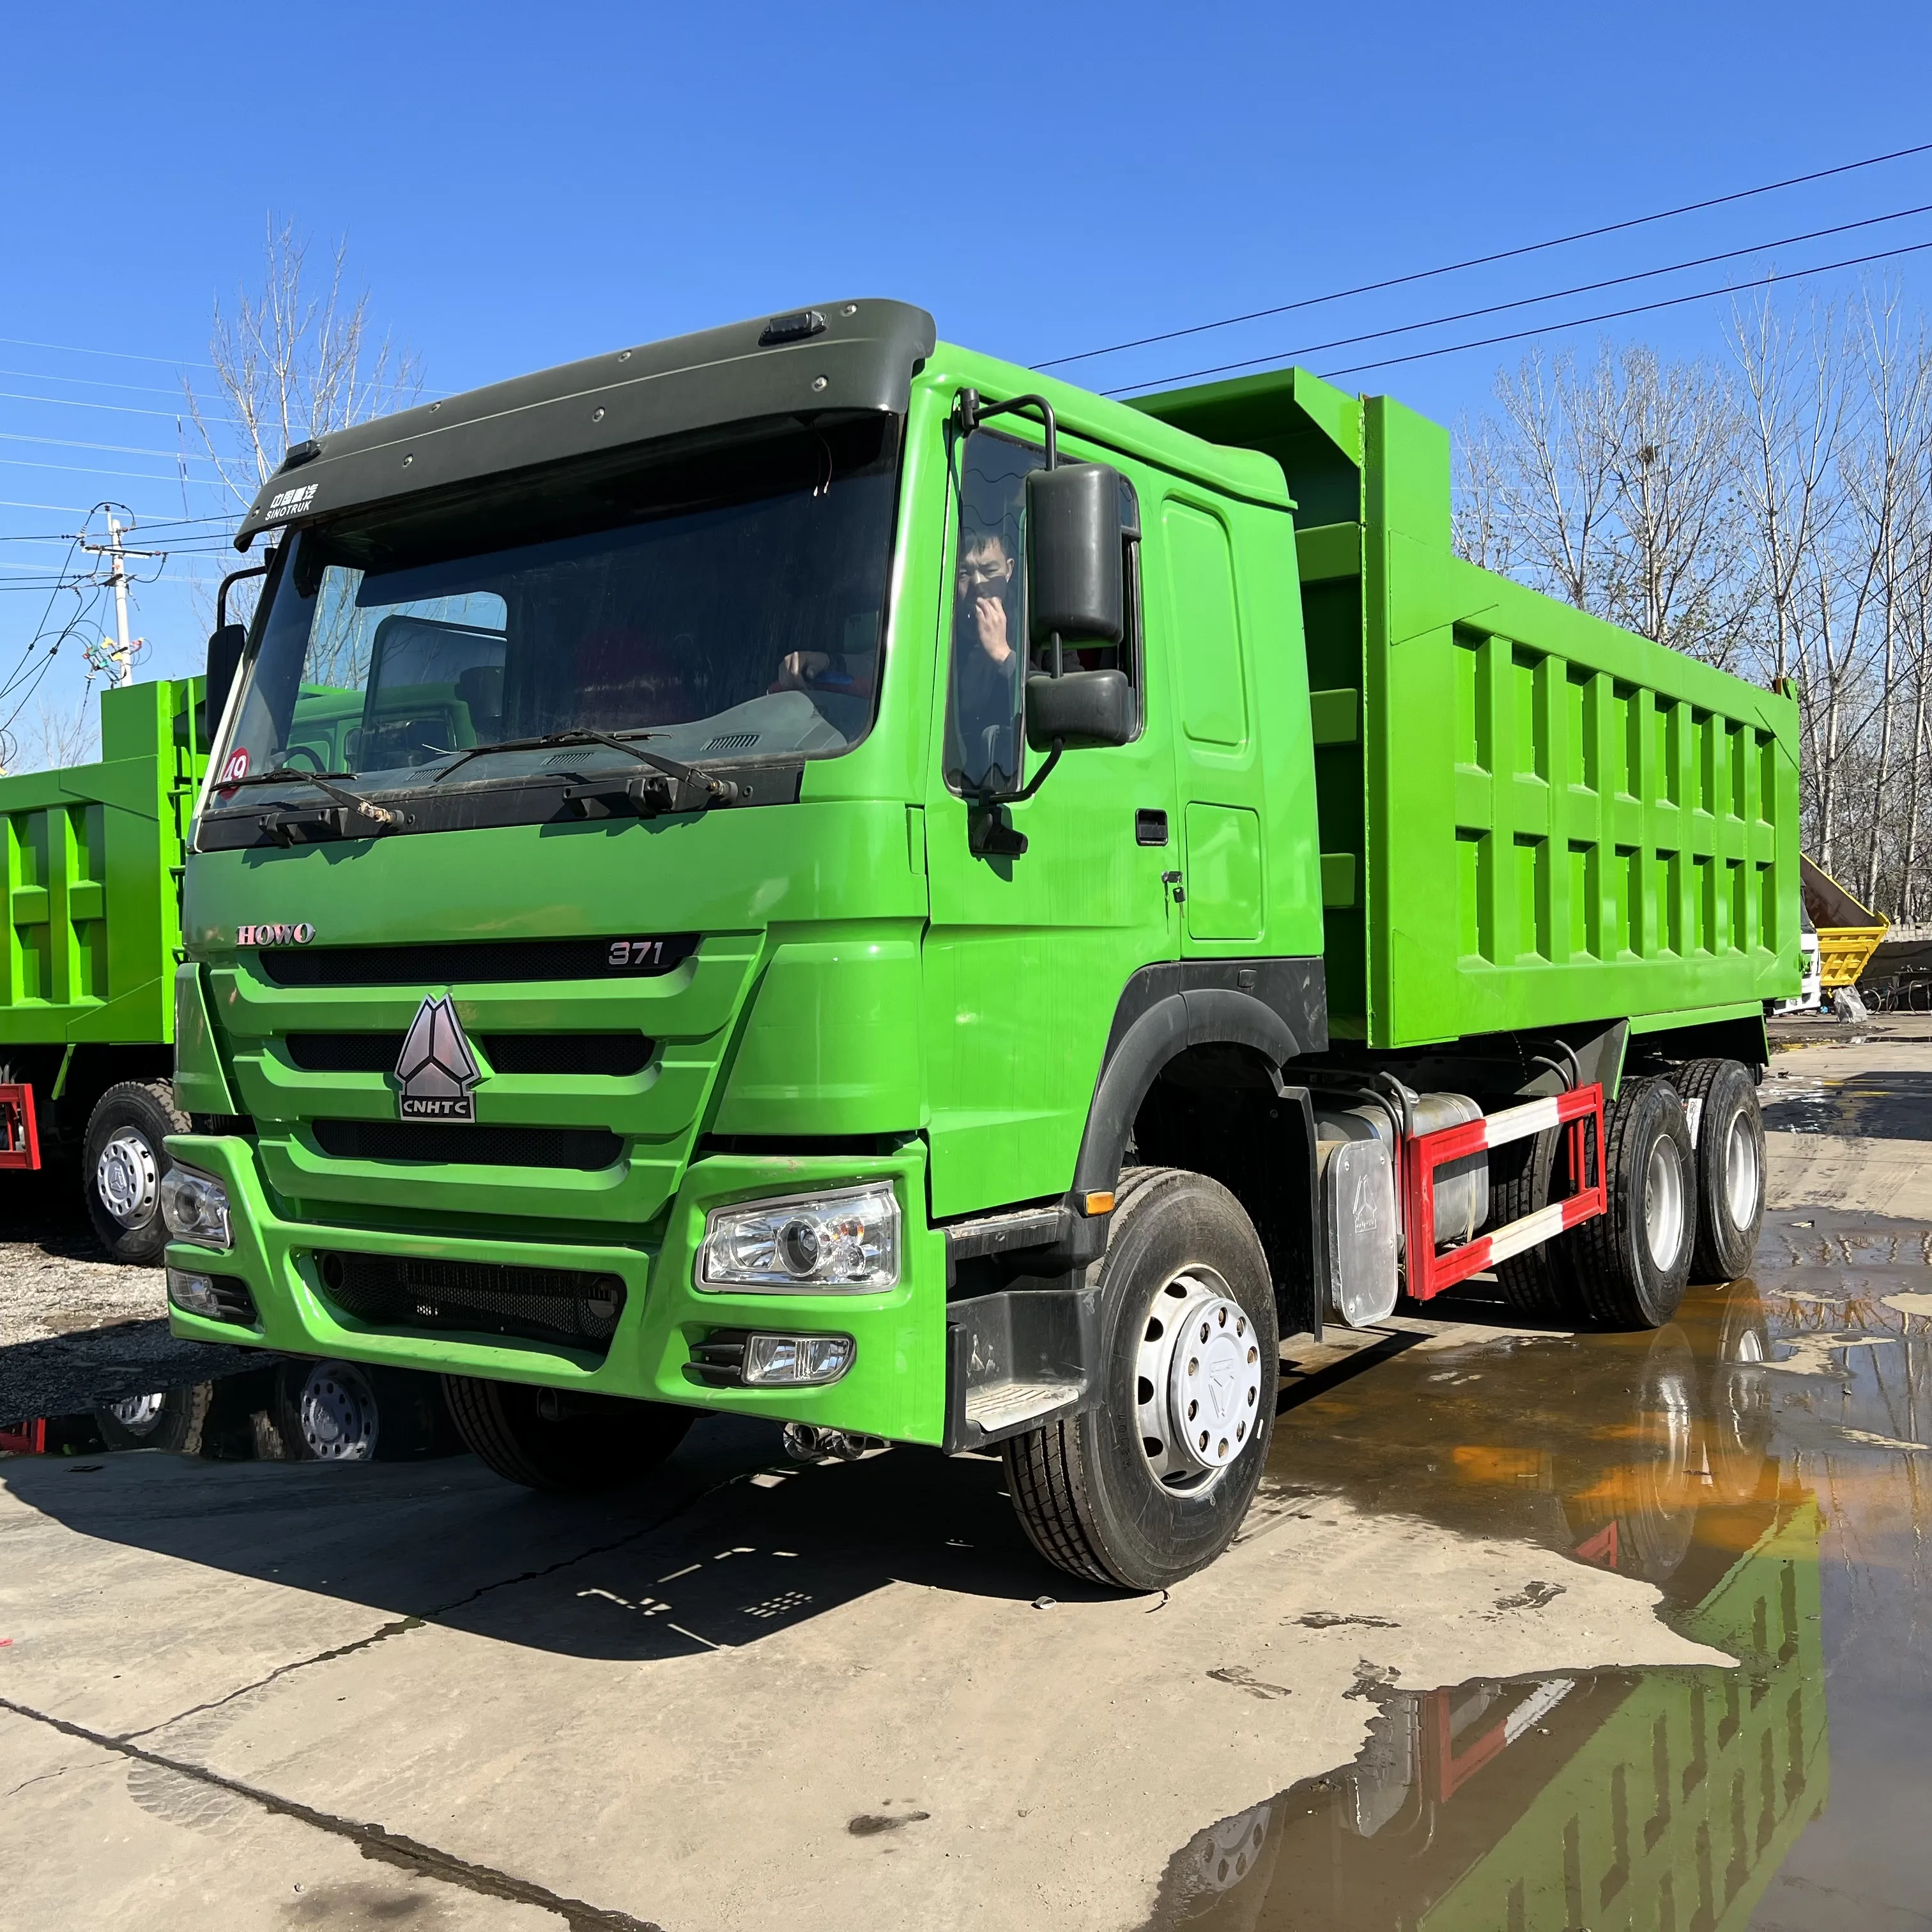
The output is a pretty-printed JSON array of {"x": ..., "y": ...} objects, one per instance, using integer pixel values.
[
  {"x": 92, "y": 888},
  {"x": 806, "y": 872}
]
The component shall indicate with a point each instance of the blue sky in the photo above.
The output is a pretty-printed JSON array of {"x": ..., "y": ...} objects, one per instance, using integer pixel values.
[{"x": 519, "y": 186}]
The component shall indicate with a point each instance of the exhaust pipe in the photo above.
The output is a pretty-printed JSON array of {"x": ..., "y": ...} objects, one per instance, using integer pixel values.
[{"x": 806, "y": 1442}]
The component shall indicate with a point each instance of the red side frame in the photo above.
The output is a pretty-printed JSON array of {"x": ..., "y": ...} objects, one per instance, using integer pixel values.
[
  {"x": 1430, "y": 1272},
  {"x": 19, "y": 1138}
]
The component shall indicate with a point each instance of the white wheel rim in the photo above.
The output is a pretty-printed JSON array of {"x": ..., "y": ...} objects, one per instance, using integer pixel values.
[
  {"x": 1742, "y": 1179},
  {"x": 138, "y": 1414},
  {"x": 128, "y": 1178},
  {"x": 1663, "y": 1202},
  {"x": 336, "y": 1413},
  {"x": 1198, "y": 1382}
]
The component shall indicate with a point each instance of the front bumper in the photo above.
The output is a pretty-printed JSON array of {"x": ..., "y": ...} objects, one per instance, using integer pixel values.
[{"x": 896, "y": 1387}]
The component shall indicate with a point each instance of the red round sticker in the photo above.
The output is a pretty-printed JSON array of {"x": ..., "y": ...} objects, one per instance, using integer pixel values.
[{"x": 237, "y": 767}]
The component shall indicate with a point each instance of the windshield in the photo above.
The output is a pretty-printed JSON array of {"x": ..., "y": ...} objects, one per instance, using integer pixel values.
[{"x": 720, "y": 604}]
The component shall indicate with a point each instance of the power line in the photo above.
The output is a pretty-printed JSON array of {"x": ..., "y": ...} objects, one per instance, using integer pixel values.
[
  {"x": 123, "y": 475},
  {"x": 111, "y": 448},
  {"x": 122, "y": 409},
  {"x": 92, "y": 382},
  {"x": 1555, "y": 294},
  {"x": 1614, "y": 315},
  {"x": 1484, "y": 261},
  {"x": 76, "y": 510},
  {"x": 123, "y": 354}
]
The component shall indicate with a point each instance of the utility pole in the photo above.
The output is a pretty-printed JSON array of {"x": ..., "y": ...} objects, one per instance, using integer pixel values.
[
  {"x": 117, "y": 553},
  {"x": 123, "y": 657}
]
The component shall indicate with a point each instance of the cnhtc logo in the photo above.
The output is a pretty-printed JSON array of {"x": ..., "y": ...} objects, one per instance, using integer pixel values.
[{"x": 435, "y": 1066}]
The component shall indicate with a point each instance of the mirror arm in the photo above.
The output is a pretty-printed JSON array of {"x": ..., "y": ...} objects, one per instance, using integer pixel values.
[
  {"x": 971, "y": 412},
  {"x": 989, "y": 832},
  {"x": 1039, "y": 778},
  {"x": 221, "y": 594}
]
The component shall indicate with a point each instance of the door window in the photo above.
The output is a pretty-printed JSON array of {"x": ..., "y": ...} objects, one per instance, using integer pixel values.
[
  {"x": 990, "y": 660},
  {"x": 1202, "y": 622}
]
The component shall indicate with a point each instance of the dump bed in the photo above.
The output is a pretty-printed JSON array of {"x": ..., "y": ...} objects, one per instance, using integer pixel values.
[
  {"x": 93, "y": 856},
  {"x": 1528, "y": 817}
]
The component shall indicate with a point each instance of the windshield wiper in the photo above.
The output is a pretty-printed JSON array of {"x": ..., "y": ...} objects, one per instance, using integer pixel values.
[
  {"x": 671, "y": 787},
  {"x": 323, "y": 782}
]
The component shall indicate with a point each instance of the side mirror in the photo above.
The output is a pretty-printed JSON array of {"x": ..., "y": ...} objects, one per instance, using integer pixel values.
[
  {"x": 1073, "y": 539},
  {"x": 1081, "y": 707},
  {"x": 225, "y": 645}
]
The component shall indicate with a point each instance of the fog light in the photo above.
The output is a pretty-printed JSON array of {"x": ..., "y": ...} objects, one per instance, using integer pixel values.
[
  {"x": 195, "y": 1207},
  {"x": 194, "y": 1294},
  {"x": 847, "y": 1241},
  {"x": 796, "y": 1361}
]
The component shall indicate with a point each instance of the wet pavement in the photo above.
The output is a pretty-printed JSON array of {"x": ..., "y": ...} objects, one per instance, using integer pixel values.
[
  {"x": 1526, "y": 1630},
  {"x": 1765, "y": 1461}
]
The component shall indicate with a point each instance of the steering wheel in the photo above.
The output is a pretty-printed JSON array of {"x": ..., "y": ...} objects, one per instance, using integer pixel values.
[{"x": 308, "y": 752}]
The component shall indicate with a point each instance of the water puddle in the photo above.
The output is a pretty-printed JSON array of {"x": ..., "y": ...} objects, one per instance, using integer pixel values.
[
  {"x": 1885, "y": 1104},
  {"x": 1766, "y": 1462}
]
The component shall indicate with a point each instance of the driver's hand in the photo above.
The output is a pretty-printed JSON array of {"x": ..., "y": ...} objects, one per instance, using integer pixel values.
[
  {"x": 989, "y": 618},
  {"x": 797, "y": 668}
]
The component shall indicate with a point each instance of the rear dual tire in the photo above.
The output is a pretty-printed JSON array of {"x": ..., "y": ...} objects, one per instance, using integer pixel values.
[
  {"x": 1136, "y": 1492},
  {"x": 1630, "y": 1264},
  {"x": 1720, "y": 1100}
]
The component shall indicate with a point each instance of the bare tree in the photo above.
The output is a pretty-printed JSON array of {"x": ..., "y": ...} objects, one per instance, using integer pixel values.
[
  {"x": 1613, "y": 488},
  {"x": 1772, "y": 514},
  {"x": 297, "y": 360},
  {"x": 63, "y": 735}
]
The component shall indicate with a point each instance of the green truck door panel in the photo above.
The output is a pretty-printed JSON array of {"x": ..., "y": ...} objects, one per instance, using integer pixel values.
[
  {"x": 1206, "y": 653},
  {"x": 1025, "y": 958},
  {"x": 1224, "y": 872}
]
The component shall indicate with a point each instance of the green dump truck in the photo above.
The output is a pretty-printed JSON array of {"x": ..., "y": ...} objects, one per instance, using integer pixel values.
[
  {"x": 802, "y": 872},
  {"x": 87, "y": 1003}
]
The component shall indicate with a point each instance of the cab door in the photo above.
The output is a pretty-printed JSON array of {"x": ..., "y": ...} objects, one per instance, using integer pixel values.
[
  {"x": 1196, "y": 617},
  {"x": 1026, "y": 956}
]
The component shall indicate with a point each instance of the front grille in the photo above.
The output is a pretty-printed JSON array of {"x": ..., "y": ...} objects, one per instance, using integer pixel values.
[
  {"x": 587, "y": 1149},
  {"x": 345, "y": 1052},
  {"x": 718, "y": 1360},
  {"x": 572, "y": 1306},
  {"x": 610, "y": 1054},
  {"x": 478, "y": 962}
]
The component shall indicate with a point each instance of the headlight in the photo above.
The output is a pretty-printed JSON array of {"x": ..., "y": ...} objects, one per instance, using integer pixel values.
[
  {"x": 195, "y": 1207},
  {"x": 847, "y": 1241}
]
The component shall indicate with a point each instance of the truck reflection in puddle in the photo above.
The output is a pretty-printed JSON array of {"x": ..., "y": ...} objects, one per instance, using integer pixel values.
[
  {"x": 1600, "y": 1799},
  {"x": 293, "y": 1411}
]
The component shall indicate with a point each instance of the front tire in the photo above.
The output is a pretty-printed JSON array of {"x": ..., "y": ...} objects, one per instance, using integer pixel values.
[
  {"x": 1723, "y": 1095},
  {"x": 1631, "y": 1262},
  {"x": 585, "y": 1444},
  {"x": 125, "y": 1159},
  {"x": 1152, "y": 1483}
]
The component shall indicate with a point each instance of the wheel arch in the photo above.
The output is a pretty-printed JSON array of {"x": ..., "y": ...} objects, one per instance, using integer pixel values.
[{"x": 1192, "y": 1077}]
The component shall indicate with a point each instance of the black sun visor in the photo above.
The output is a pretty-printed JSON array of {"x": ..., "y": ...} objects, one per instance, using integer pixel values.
[{"x": 842, "y": 356}]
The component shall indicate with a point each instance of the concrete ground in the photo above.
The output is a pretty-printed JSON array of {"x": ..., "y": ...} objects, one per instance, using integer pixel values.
[{"x": 752, "y": 1694}]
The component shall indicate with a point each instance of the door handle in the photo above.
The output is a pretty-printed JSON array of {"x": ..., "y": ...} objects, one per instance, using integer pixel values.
[{"x": 1150, "y": 828}]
